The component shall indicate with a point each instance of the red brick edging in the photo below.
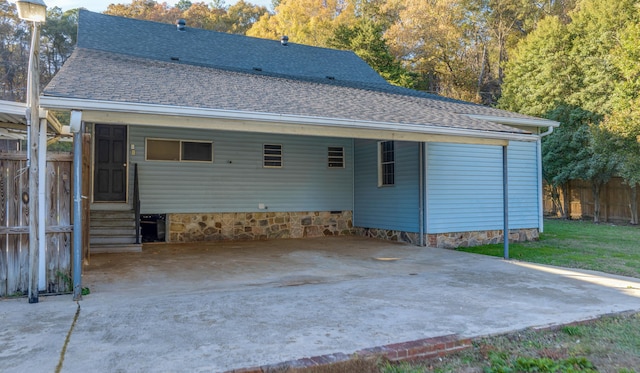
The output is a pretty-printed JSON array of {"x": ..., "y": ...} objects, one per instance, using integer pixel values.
[{"x": 418, "y": 349}]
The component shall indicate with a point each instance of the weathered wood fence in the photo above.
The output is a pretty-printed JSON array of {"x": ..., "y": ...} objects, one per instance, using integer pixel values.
[
  {"x": 14, "y": 223},
  {"x": 614, "y": 201}
]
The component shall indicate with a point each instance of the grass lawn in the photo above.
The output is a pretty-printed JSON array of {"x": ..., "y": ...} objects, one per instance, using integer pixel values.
[{"x": 578, "y": 244}]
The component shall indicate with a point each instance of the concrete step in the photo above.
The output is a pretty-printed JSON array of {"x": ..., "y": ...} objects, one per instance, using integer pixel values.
[
  {"x": 111, "y": 240},
  {"x": 113, "y": 231},
  {"x": 112, "y": 223},
  {"x": 124, "y": 248},
  {"x": 99, "y": 215}
]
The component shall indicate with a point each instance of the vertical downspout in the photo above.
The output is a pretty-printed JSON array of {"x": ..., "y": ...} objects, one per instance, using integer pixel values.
[
  {"x": 353, "y": 183},
  {"x": 42, "y": 214},
  {"x": 505, "y": 199},
  {"x": 77, "y": 212},
  {"x": 425, "y": 179},
  {"x": 540, "y": 189},
  {"x": 421, "y": 191}
]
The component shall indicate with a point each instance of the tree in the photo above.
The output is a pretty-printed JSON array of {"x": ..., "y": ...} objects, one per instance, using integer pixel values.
[
  {"x": 146, "y": 9},
  {"x": 624, "y": 128},
  {"x": 578, "y": 150},
  {"x": 507, "y": 22},
  {"x": 365, "y": 39},
  {"x": 311, "y": 22},
  {"x": 58, "y": 39},
  {"x": 183, "y": 5},
  {"x": 59, "y": 35},
  {"x": 600, "y": 166},
  {"x": 624, "y": 121},
  {"x": 595, "y": 29},
  {"x": 541, "y": 73},
  {"x": 14, "y": 53},
  {"x": 242, "y": 15},
  {"x": 429, "y": 37},
  {"x": 563, "y": 151},
  {"x": 576, "y": 63},
  {"x": 216, "y": 16}
]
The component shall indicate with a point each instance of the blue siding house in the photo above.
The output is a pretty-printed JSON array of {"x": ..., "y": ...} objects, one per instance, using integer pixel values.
[{"x": 213, "y": 136}]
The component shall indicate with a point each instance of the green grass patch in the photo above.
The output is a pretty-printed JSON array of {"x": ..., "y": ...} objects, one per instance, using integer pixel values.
[{"x": 578, "y": 244}]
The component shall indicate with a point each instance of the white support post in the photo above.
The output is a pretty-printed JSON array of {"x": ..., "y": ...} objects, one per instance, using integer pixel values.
[
  {"x": 76, "y": 127},
  {"x": 42, "y": 218},
  {"x": 33, "y": 106}
]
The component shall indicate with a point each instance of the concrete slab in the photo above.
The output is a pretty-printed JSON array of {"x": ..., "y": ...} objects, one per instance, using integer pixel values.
[{"x": 216, "y": 307}]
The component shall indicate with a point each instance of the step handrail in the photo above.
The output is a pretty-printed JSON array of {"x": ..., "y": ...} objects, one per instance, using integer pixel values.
[{"x": 136, "y": 201}]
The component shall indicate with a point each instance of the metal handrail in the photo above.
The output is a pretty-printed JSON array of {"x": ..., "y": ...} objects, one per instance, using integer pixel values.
[{"x": 136, "y": 201}]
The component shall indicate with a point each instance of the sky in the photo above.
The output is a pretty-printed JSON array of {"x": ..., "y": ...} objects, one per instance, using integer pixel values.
[{"x": 101, "y": 5}]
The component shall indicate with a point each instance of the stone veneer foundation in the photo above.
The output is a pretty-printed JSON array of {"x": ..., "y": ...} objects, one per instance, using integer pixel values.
[
  {"x": 258, "y": 225},
  {"x": 466, "y": 239},
  {"x": 451, "y": 240},
  {"x": 269, "y": 225}
]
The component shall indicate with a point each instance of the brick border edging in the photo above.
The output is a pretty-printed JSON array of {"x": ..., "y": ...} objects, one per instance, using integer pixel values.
[
  {"x": 406, "y": 351},
  {"x": 413, "y": 350}
]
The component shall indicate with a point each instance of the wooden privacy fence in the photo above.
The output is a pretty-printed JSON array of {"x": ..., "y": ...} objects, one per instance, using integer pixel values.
[
  {"x": 614, "y": 201},
  {"x": 14, "y": 223}
]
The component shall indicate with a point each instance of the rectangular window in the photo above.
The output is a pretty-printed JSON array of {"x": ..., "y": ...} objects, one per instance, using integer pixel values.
[
  {"x": 386, "y": 163},
  {"x": 272, "y": 156},
  {"x": 336, "y": 157},
  {"x": 179, "y": 150}
]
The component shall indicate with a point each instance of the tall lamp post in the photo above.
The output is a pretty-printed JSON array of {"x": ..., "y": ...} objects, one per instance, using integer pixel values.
[{"x": 34, "y": 11}]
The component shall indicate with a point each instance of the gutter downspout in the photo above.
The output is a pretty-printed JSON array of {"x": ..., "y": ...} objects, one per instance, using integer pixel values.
[
  {"x": 540, "y": 189},
  {"x": 421, "y": 191},
  {"x": 505, "y": 200},
  {"x": 76, "y": 128}
]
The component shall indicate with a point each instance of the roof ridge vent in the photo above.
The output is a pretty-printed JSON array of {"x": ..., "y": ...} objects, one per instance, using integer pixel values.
[
  {"x": 181, "y": 23},
  {"x": 284, "y": 40}
]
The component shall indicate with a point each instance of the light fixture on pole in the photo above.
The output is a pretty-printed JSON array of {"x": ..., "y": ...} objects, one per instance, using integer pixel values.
[{"x": 34, "y": 11}]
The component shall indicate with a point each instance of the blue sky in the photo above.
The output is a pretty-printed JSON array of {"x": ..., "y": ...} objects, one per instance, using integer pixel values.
[{"x": 101, "y": 5}]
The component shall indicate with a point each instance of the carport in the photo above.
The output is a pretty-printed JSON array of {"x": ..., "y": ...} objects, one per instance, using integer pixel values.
[{"x": 218, "y": 307}]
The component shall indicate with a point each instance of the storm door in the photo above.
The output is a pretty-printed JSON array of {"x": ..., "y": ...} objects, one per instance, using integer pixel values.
[{"x": 110, "y": 163}]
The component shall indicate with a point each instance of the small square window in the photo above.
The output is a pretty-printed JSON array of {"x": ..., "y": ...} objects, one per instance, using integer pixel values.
[
  {"x": 336, "y": 157},
  {"x": 386, "y": 163},
  {"x": 272, "y": 156}
]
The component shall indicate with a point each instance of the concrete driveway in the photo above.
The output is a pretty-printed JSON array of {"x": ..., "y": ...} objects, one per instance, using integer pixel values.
[{"x": 218, "y": 307}]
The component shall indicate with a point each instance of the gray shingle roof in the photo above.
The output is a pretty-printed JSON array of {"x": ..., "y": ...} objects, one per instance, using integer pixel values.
[
  {"x": 132, "y": 61},
  {"x": 163, "y": 42},
  {"x": 106, "y": 76}
]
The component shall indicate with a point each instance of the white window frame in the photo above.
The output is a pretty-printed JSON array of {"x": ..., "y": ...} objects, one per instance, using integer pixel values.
[
  {"x": 181, "y": 150},
  {"x": 335, "y": 160},
  {"x": 274, "y": 157},
  {"x": 383, "y": 165}
]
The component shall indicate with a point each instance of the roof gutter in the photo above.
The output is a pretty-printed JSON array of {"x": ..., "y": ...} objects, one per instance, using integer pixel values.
[
  {"x": 529, "y": 122},
  {"x": 150, "y": 114},
  {"x": 13, "y": 108}
]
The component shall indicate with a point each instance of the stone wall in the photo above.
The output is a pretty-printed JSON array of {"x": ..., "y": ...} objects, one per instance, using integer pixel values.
[
  {"x": 389, "y": 235},
  {"x": 467, "y": 239},
  {"x": 451, "y": 240},
  {"x": 257, "y": 225},
  {"x": 270, "y": 225}
]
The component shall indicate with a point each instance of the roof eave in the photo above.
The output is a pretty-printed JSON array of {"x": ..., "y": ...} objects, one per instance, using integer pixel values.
[
  {"x": 234, "y": 120},
  {"x": 527, "y": 122}
]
